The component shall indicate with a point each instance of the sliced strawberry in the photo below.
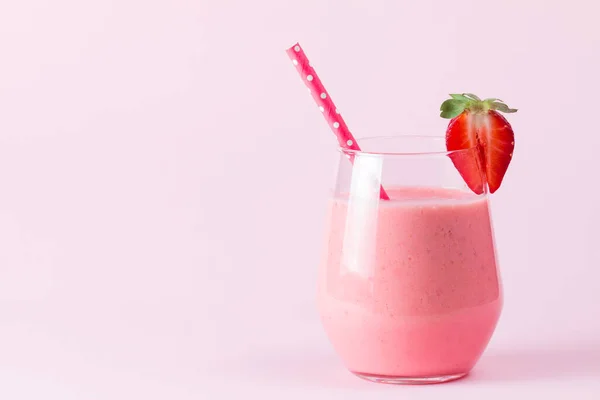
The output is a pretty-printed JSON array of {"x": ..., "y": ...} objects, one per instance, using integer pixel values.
[
  {"x": 468, "y": 163},
  {"x": 476, "y": 124}
]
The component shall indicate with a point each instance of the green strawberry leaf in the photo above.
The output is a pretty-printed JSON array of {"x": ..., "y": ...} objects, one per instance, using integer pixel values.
[
  {"x": 452, "y": 108},
  {"x": 472, "y": 96},
  {"x": 503, "y": 107},
  {"x": 460, "y": 97}
]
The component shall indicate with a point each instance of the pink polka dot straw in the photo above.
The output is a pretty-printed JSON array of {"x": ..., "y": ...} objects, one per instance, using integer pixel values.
[{"x": 326, "y": 105}]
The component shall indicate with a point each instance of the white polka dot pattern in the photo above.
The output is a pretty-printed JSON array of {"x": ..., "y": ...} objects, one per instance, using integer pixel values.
[{"x": 324, "y": 102}]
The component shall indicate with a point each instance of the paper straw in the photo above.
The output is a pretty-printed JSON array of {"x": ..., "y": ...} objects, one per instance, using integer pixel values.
[{"x": 325, "y": 103}]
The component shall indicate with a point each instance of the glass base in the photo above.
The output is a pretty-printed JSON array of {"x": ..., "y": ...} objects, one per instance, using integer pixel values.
[{"x": 403, "y": 380}]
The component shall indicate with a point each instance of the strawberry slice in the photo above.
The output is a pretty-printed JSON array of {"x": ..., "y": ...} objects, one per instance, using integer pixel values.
[{"x": 477, "y": 124}]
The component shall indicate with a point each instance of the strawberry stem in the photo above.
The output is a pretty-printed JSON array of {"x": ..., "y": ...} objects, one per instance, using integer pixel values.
[{"x": 459, "y": 103}]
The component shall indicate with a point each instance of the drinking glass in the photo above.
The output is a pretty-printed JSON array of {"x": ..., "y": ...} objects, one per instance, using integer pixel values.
[{"x": 408, "y": 288}]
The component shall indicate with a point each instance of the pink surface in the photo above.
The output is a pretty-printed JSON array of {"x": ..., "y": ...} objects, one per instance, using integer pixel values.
[
  {"x": 160, "y": 226},
  {"x": 409, "y": 287}
]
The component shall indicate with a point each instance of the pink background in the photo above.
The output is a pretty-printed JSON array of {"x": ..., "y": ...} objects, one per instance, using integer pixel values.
[{"x": 163, "y": 177}]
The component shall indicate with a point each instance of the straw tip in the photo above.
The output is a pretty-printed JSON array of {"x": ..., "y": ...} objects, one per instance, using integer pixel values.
[{"x": 295, "y": 48}]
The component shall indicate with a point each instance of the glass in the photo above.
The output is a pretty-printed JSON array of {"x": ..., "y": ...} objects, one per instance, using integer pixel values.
[{"x": 408, "y": 289}]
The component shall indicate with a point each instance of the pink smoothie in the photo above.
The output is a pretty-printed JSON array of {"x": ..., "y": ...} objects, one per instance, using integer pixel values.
[{"x": 409, "y": 287}]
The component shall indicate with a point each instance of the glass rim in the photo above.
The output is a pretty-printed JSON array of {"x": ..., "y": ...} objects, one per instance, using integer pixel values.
[{"x": 362, "y": 140}]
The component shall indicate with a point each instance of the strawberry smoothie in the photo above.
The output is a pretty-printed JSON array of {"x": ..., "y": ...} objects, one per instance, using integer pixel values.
[{"x": 409, "y": 287}]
